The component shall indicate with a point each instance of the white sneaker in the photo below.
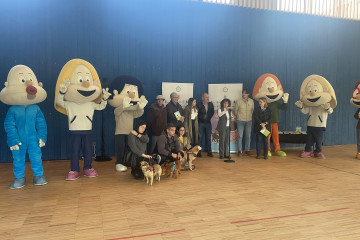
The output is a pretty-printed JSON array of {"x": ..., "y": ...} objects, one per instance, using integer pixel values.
[{"x": 120, "y": 168}]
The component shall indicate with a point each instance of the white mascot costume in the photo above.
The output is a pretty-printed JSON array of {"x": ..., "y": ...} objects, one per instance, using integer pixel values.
[
  {"x": 317, "y": 99},
  {"x": 77, "y": 95},
  {"x": 25, "y": 124}
]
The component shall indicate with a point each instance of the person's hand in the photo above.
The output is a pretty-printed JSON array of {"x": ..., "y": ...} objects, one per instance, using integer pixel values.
[
  {"x": 126, "y": 102},
  {"x": 262, "y": 125},
  {"x": 359, "y": 114},
  {"x": 15, "y": 147},
  {"x": 299, "y": 104},
  {"x": 174, "y": 155},
  {"x": 41, "y": 143},
  {"x": 179, "y": 156},
  {"x": 142, "y": 103},
  {"x": 134, "y": 132},
  {"x": 146, "y": 156},
  {"x": 285, "y": 97},
  {"x": 182, "y": 118},
  {"x": 64, "y": 86},
  {"x": 106, "y": 94}
]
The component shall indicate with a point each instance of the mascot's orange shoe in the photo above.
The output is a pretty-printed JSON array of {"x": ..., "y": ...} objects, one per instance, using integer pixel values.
[{"x": 358, "y": 156}]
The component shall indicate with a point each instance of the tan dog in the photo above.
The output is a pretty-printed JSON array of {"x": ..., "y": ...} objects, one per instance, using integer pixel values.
[
  {"x": 169, "y": 169},
  {"x": 157, "y": 172},
  {"x": 190, "y": 157},
  {"x": 148, "y": 174}
]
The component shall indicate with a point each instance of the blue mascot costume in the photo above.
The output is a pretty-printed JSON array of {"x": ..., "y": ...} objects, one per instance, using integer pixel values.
[{"x": 25, "y": 124}]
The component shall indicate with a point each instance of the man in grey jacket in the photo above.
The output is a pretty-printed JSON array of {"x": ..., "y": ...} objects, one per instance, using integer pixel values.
[{"x": 168, "y": 145}]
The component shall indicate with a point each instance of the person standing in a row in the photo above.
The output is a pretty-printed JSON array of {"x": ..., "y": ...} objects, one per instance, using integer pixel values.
[
  {"x": 206, "y": 111},
  {"x": 223, "y": 127},
  {"x": 262, "y": 116},
  {"x": 244, "y": 109}
]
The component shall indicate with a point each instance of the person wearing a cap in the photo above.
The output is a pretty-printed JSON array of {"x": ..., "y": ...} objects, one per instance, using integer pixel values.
[{"x": 156, "y": 119}]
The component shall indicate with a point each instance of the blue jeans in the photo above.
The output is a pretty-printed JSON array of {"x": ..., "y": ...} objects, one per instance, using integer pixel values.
[
  {"x": 241, "y": 126},
  {"x": 80, "y": 142},
  {"x": 261, "y": 140},
  {"x": 205, "y": 136}
]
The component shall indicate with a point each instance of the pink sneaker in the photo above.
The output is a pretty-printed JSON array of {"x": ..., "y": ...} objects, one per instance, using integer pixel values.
[
  {"x": 90, "y": 173},
  {"x": 72, "y": 175},
  {"x": 319, "y": 155},
  {"x": 305, "y": 154}
]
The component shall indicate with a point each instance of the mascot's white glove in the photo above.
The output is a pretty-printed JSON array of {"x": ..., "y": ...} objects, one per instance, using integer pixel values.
[
  {"x": 285, "y": 97},
  {"x": 16, "y": 147},
  {"x": 106, "y": 94},
  {"x": 299, "y": 104},
  {"x": 126, "y": 102},
  {"x": 327, "y": 107},
  {"x": 41, "y": 143},
  {"x": 64, "y": 86},
  {"x": 142, "y": 102}
]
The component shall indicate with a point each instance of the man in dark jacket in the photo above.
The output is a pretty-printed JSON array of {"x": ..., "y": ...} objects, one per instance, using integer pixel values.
[
  {"x": 206, "y": 111},
  {"x": 156, "y": 119},
  {"x": 175, "y": 113},
  {"x": 168, "y": 145}
]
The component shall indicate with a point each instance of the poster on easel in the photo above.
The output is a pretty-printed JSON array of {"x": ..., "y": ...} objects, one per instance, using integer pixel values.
[
  {"x": 217, "y": 92},
  {"x": 184, "y": 90}
]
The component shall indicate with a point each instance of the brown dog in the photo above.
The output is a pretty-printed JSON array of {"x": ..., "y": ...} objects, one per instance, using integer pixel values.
[
  {"x": 171, "y": 171},
  {"x": 157, "y": 172},
  {"x": 191, "y": 155},
  {"x": 148, "y": 173}
]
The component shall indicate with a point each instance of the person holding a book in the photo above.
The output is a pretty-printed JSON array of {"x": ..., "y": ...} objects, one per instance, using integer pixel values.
[
  {"x": 175, "y": 113},
  {"x": 262, "y": 116}
]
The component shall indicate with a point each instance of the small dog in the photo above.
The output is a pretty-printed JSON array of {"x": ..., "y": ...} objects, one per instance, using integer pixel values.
[
  {"x": 191, "y": 155},
  {"x": 171, "y": 171},
  {"x": 157, "y": 172},
  {"x": 148, "y": 172}
]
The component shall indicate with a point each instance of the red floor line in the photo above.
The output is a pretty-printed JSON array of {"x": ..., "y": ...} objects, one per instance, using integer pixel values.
[
  {"x": 294, "y": 215},
  {"x": 146, "y": 235}
]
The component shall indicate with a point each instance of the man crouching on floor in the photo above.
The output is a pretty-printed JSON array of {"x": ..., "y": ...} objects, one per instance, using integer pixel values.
[{"x": 168, "y": 147}]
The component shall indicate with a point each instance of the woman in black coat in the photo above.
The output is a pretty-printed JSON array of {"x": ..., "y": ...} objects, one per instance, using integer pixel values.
[{"x": 262, "y": 116}]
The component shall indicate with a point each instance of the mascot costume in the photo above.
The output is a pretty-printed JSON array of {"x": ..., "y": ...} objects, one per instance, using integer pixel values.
[
  {"x": 317, "y": 99},
  {"x": 77, "y": 95},
  {"x": 25, "y": 124},
  {"x": 355, "y": 101},
  {"x": 129, "y": 102},
  {"x": 269, "y": 87}
]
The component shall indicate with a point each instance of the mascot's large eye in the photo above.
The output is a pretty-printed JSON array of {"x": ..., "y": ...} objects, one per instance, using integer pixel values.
[
  {"x": 22, "y": 80},
  {"x": 80, "y": 80},
  {"x": 128, "y": 92},
  {"x": 87, "y": 79},
  {"x": 355, "y": 93},
  {"x": 31, "y": 79}
]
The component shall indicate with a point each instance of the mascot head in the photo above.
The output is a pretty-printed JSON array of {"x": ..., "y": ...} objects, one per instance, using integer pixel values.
[
  {"x": 355, "y": 100},
  {"x": 316, "y": 90},
  {"x": 125, "y": 86},
  {"x": 22, "y": 87},
  {"x": 268, "y": 86},
  {"x": 85, "y": 85}
]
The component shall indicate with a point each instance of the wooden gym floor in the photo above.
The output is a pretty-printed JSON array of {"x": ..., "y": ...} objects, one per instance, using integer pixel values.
[{"x": 280, "y": 198}]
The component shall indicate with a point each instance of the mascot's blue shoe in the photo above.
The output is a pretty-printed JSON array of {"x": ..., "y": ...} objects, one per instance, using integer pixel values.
[
  {"x": 18, "y": 183},
  {"x": 39, "y": 180}
]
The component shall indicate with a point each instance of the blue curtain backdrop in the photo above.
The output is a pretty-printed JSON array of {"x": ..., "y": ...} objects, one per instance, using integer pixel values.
[{"x": 177, "y": 41}]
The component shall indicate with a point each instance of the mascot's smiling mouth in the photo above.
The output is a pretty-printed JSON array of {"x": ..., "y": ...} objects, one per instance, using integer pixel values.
[
  {"x": 86, "y": 93},
  {"x": 313, "y": 99},
  {"x": 272, "y": 96},
  {"x": 133, "y": 103},
  {"x": 356, "y": 103}
]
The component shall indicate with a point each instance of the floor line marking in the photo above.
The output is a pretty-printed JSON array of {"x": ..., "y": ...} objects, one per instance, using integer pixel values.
[
  {"x": 293, "y": 215},
  {"x": 319, "y": 164},
  {"x": 150, "y": 234}
]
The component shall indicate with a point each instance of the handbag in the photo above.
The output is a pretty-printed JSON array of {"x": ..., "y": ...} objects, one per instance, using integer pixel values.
[{"x": 128, "y": 157}]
